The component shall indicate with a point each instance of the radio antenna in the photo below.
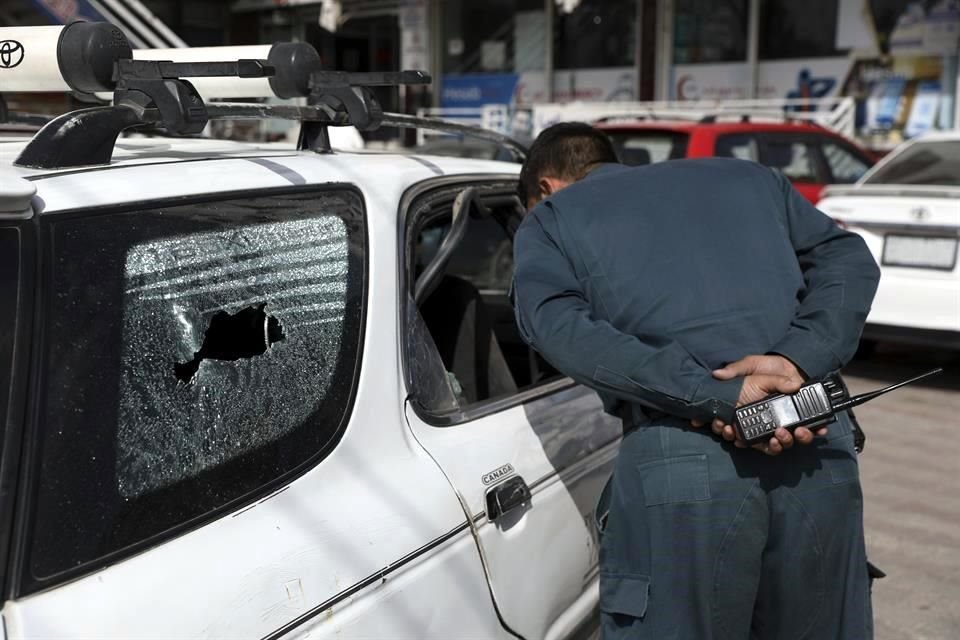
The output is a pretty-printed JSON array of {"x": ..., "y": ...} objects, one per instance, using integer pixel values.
[{"x": 870, "y": 395}]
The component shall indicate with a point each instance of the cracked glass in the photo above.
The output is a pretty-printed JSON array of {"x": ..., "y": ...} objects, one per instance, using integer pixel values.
[{"x": 195, "y": 354}]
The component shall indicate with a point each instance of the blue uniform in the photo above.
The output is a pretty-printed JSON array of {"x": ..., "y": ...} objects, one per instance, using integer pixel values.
[{"x": 638, "y": 282}]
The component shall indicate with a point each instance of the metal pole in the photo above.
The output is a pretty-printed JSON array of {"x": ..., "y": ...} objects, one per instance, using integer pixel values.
[
  {"x": 638, "y": 48},
  {"x": 548, "y": 8},
  {"x": 753, "y": 46},
  {"x": 436, "y": 36},
  {"x": 953, "y": 63},
  {"x": 665, "y": 11}
]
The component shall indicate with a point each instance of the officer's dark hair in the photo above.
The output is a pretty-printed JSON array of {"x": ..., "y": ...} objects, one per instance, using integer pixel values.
[{"x": 567, "y": 150}]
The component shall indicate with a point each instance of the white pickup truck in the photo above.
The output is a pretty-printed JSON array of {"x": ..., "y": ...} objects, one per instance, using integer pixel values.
[{"x": 907, "y": 208}]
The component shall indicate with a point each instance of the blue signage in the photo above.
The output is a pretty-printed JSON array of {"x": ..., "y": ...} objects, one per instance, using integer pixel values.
[{"x": 477, "y": 89}]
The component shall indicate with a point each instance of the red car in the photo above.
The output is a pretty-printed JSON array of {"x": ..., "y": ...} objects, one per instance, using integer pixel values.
[{"x": 810, "y": 155}]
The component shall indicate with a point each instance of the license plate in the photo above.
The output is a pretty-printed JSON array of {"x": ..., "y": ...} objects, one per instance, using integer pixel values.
[{"x": 925, "y": 252}]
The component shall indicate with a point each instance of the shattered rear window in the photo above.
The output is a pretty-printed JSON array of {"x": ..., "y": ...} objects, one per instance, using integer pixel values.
[{"x": 195, "y": 354}]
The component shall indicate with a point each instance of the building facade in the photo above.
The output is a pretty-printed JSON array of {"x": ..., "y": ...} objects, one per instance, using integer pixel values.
[{"x": 896, "y": 58}]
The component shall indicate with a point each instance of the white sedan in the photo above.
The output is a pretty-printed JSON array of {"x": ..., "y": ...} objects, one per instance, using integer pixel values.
[{"x": 907, "y": 208}]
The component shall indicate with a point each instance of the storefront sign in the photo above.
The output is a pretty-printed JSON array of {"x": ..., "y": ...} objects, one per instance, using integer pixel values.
[
  {"x": 711, "y": 82},
  {"x": 473, "y": 90},
  {"x": 809, "y": 78},
  {"x": 586, "y": 85}
]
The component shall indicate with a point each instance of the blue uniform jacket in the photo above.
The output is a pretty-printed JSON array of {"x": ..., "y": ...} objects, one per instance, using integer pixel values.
[{"x": 639, "y": 281}]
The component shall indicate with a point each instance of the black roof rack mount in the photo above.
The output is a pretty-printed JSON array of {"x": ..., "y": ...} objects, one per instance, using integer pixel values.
[{"x": 147, "y": 92}]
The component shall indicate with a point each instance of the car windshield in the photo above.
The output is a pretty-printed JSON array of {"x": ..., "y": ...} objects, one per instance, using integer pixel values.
[
  {"x": 924, "y": 163},
  {"x": 646, "y": 147}
]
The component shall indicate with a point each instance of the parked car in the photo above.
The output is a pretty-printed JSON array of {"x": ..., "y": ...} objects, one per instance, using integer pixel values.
[
  {"x": 908, "y": 211},
  {"x": 460, "y": 147},
  {"x": 811, "y": 156},
  {"x": 249, "y": 391}
]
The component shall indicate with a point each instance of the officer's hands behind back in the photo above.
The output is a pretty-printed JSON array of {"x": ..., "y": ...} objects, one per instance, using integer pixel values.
[{"x": 763, "y": 375}]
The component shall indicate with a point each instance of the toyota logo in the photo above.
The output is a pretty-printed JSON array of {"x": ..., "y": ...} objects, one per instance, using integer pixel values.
[
  {"x": 11, "y": 54},
  {"x": 920, "y": 213}
]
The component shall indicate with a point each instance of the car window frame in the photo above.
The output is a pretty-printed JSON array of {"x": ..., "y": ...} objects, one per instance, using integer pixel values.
[
  {"x": 737, "y": 134},
  {"x": 406, "y": 224},
  {"x": 849, "y": 148},
  {"x": 20, "y": 583},
  {"x": 12, "y": 470},
  {"x": 820, "y": 169},
  {"x": 684, "y": 136}
]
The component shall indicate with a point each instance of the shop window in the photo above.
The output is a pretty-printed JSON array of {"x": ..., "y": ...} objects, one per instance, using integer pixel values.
[
  {"x": 791, "y": 29},
  {"x": 594, "y": 33},
  {"x": 493, "y": 36},
  {"x": 710, "y": 31}
]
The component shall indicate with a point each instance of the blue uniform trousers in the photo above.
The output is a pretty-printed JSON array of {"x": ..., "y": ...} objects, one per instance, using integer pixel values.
[{"x": 704, "y": 541}]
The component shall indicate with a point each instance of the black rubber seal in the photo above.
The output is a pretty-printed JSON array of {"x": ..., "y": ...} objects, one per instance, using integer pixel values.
[
  {"x": 294, "y": 62},
  {"x": 86, "y": 53}
]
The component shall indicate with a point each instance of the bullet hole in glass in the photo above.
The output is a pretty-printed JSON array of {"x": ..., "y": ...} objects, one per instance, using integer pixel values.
[{"x": 244, "y": 334}]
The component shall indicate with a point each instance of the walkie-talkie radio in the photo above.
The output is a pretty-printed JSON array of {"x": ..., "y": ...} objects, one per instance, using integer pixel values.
[{"x": 814, "y": 405}]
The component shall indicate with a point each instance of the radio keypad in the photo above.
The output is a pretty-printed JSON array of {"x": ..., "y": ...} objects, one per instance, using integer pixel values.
[{"x": 756, "y": 421}]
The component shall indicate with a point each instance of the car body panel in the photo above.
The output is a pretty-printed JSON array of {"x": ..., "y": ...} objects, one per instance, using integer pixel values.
[
  {"x": 563, "y": 447},
  {"x": 922, "y": 300},
  {"x": 913, "y": 297},
  {"x": 703, "y": 137}
]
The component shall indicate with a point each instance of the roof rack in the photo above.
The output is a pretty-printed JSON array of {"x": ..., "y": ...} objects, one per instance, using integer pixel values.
[
  {"x": 702, "y": 117},
  {"x": 782, "y": 116},
  {"x": 155, "y": 95}
]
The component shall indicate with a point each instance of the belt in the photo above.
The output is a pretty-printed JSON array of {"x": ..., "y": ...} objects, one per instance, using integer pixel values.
[{"x": 634, "y": 415}]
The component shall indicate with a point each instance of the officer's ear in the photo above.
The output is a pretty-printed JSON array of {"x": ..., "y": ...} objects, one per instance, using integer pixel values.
[{"x": 549, "y": 186}]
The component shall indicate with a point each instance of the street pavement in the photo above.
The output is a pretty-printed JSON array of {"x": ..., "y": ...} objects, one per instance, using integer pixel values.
[{"x": 910, "y": 484}]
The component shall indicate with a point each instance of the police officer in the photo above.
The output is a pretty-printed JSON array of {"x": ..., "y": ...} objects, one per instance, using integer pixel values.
[{"x": 679, "y": 290}]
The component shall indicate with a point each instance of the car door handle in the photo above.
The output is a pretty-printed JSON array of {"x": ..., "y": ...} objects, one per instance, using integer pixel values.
[{"x": 510, "y": 494}]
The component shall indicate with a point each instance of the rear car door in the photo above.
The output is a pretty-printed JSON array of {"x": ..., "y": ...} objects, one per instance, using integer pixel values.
[{"x": 526, "y": 450}]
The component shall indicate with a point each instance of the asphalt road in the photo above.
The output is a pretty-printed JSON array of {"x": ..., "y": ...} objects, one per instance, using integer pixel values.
[{"x": 912, "y": 491}]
